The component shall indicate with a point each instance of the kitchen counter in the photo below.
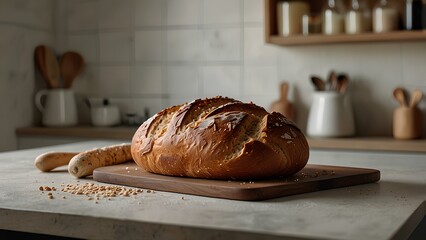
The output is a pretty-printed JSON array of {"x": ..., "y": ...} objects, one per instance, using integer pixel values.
[{"x": 389, "y": 209}]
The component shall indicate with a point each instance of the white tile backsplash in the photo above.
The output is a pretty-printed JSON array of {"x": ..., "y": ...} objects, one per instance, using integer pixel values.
[
  {"x": 260, "y": 80},
  {"x": 147, "y": 80},
  {"x": 148, "y": 12},
  {"x": 184, "y": 45},
  {"x": 114, "y": 47},
  {"x": 86, "y": 45},
  {"x": 32, "y": 13},
  {"x": 221, "y": 81},
  {"x": 148, "y": 46},
  {"x": 182, "y": 81},
  {"x": 221, "y": 11},
  {"x": 113, "y": 81},
  {"x": 256, "y": 51},
  {"x": 253, "y": 11},
  {"x": 183, "y": 12},
  {"x": 114, "y": 14},
  {"x": 222, "y": 44},
  {"x": 413, "y": 56},
  {"x": 82, "y": 15}
]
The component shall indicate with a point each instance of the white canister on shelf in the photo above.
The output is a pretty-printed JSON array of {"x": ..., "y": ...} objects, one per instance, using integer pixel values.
[
  {"x": 358, "y": 17},
  {"x": 354, "y": 22},
  {"x": 289, "y": 15},
  {"x": 385, "y": 17},
  {"x": 333, "y": 18}
]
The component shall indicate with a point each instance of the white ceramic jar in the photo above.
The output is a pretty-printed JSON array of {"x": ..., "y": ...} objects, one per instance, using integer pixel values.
[
  {"x": 105, "y": 116},
  {"x": 57, "y": 106},
  {"x": 330, "y": 115}
]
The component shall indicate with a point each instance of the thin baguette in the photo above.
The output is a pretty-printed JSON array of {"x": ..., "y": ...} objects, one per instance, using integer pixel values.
[
  {"x": 51, "y": 160},
  {"x": 84, "y": 163}
]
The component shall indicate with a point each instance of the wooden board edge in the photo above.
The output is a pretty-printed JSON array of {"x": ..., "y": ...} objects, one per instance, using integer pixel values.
[{"x": 248, "y": 194}]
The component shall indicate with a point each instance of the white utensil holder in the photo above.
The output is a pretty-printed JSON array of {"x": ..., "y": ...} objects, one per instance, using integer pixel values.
[
  {"x": 59, "y": 107},
  {"x": 330, "y": 115}
]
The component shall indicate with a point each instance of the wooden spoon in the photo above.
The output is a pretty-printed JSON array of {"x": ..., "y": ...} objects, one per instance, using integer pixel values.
[
  {"x": 39, "y": 60},
  {"x": 401, "y": 96},
  {"x": 318, "y": 83},
  {"x": 71, "y": 66},
  {"x": 416, "y": 97},
  {"x": 332, "y": 81},
  {"x": 342, "y": 83},
  {"x": 52, "y": 68}
]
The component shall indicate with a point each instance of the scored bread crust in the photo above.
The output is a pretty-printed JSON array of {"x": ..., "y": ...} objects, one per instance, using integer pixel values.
[{"x": 220, "y": 138}]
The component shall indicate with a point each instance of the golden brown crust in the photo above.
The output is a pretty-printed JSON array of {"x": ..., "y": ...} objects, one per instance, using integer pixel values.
[{"x": 220, "y": 138}]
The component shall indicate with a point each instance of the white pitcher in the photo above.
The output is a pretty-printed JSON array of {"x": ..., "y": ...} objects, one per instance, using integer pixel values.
[
  {"x": 59, "y": 108},
  {"x": 330, "y": 115}
]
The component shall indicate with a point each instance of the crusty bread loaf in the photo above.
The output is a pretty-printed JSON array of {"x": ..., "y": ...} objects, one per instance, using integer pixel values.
[{"x": 220, "y": 138}]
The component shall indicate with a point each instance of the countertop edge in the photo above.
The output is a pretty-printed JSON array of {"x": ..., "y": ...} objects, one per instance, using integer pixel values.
[{"x": 91, "y": 227}]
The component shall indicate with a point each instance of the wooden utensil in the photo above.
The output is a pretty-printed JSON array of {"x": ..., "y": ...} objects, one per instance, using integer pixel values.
[
  {"x": 40, "y": 63},
  {"x": 283, "y": 106},
  {"x": 319, "y": 84},
  {"x": 71, "y": 66},
  {"x": 332, "y": 81},
  {"x": 401, "y": 96},
  {"x": 342, "y": 83},
  {"x": 416, "y": 97},
  {"x": 52, "y": 68}
]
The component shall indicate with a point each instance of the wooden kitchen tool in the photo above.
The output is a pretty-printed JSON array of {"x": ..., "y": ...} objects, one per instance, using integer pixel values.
[
  {"x": 407, "y": 119},
  {"x": 52, "y": 68},
  {"x": 319, "y": 84},
  {"x": 342, "y": 83},
  {"x": 71, "y": 66},
  {"x": 39, "y": 60},
  {"x": 401, "y": 96},
  {"x": 45, "y": 62},
  {"x": 311, "y": 178},
  {"x": 284, "y": 106}
]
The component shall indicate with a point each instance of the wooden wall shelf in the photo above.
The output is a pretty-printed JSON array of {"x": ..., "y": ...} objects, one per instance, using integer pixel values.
[{"x": 271, "y": 32}]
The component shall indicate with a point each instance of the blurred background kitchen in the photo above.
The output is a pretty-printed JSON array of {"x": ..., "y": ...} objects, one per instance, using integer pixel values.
[{"x": 145, "y": 55}]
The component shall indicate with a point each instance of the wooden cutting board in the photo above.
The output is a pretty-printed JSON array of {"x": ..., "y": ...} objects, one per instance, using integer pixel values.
[{"x": 311, "y": 178}]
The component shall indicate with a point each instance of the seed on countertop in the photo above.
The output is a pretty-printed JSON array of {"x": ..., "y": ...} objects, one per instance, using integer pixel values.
[{"x": 41, "y": 188}]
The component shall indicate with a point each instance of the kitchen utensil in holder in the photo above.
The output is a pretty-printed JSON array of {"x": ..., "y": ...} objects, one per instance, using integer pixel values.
[
  {"x": 330, "y": 115},
  {"x": 58, "y": 107}
]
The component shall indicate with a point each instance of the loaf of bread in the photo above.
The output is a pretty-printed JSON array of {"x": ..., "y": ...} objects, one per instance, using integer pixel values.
[{"x": 220, "y": 138}]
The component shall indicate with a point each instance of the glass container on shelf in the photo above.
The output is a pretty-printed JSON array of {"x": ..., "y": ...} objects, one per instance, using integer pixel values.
[
  {"x": 289, "y": 14},
  {"x": 333, "y": 18},
  {"x": 385, "y": 17},
  {"x": 413, "y": 15},
  {"x": 358, "y": 17}
]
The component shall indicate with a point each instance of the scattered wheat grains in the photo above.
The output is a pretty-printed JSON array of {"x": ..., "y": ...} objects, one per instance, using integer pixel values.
[{"x": 93, "y": 191}]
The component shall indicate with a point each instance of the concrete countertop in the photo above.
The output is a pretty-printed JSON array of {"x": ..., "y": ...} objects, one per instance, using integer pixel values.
[{"x": 389, "y": 209}]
